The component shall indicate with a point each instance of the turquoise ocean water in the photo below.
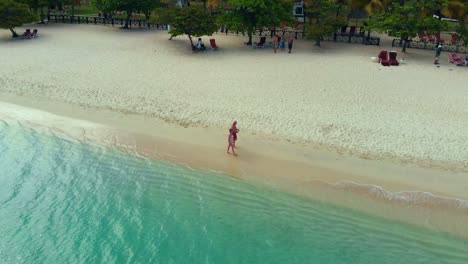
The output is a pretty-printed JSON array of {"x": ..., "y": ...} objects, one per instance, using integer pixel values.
[{"x": 63, "y": 202}]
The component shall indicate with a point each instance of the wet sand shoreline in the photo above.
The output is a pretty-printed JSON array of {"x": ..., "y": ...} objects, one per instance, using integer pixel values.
[{"x": 435, "y": 199}]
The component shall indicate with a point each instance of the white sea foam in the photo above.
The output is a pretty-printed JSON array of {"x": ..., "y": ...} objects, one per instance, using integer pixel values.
[{"x": 404, "y": 197}]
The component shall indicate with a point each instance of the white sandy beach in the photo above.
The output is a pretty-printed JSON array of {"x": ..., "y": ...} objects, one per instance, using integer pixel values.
[
  {"x": 300, "y": 114},
  {"x": 331, "y": 96}
]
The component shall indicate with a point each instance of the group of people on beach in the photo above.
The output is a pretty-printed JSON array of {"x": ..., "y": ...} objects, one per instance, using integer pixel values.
[
  {"x": 279, "y": 42},
  {"x": 232, "y": 138}
]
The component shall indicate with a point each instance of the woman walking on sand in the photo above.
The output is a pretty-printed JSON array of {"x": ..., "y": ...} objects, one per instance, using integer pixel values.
[
  {"x": 231, "y": 142},
  {"x": 235, "y": 130}
]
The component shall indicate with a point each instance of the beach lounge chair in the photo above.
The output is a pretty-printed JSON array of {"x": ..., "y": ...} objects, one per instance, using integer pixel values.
[
  {"x": 34, "y": 34},
  {"x": 26, "y": 34},
  {"x": 213, "y": 44},
  {"x": 453, "y": 58},
  {"x": 393, "y": 60},
  {"x": 261, "y": 44},
  {"x": 383, "y": 58}
]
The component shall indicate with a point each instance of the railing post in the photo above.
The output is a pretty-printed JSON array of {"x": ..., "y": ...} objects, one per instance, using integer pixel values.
[
  {"x": 95, "y": 20},
  {"x": 139, "y": 23},
  {"x": 112, "y": 21},
  {"x": 295, "y": 35},
  {"x": 87, "y": 20},
  {"x": 63, "y": 19},
  {"x": 56, "y": 19}
]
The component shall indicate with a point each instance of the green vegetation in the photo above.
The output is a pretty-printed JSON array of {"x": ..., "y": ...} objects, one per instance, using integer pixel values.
[
  {"x": 249, "y": 15},
  {"x": 14, "y": 14},
  {"x": 129, "y": 6},
  {"x": 86, "y": 10},
  {"x": 406, "y": 20},
  {"x": 192, "y": 21},
  {"x": 324, "y": 18},
  {"x": 400, "y": 18}
]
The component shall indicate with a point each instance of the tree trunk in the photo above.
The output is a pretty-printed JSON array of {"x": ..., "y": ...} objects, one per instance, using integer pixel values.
[
  {"x": 13, "y": 33},
  {"x": 403, "y": 48},
  {"x": 250, "y": 39},
  {"x": 317, "y": 42},
  {"x": 73, "y": 8},
  {"x": 129, "y": 14},
  {"x": 191, "y": 41}
]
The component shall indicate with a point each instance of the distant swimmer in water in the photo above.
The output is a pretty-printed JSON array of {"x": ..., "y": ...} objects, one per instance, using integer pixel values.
[{"x": 231, "y": 142}]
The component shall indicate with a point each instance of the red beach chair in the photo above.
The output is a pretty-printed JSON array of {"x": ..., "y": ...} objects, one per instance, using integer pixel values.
[
  {"x": 383, "y": 58},
  {"x": 213, "y": 44},
  {"x": 393, "y": 60},
  {"x": 454, "y": 39},
  {"x": 453, "y": 58}
]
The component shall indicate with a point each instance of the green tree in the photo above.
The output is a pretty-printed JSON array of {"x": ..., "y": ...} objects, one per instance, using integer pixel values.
[
  {"x": 192, "y": 21},
  {"x": 249, "y": 15},
  {"x": 129, "y": 6},
  {"x": 14, "y": 14},
  {"x": 406, "y": 20},
  {"x": 323, "y": 18},
  {"x": 458, "y": 10}
]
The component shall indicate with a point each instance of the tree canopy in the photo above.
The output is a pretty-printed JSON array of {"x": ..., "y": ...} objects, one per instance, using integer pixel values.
[
  {"x": 408, "y": 19},
  {"x": 192, "y": 21},
  {"x": 249, "y": 15},
  {"x": 324, "y": 18},
  {"x": 129, "y": 6},
  {"x": 14, "y": 14}
]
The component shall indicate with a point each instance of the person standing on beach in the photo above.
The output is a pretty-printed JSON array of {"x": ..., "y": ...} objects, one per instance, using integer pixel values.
[
  {"x": 290, "y": 44},
  {"x": 438, "y": 52},
  {"x": 235, "y": 130},
  {"x": 275, "y": 43},
  {"x": 231, "y": 143}
]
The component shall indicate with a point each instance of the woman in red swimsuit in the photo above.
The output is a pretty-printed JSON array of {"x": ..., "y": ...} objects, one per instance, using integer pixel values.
[
  {"x": 231, "y": 142},
  {"x": 235, "y": 130}
]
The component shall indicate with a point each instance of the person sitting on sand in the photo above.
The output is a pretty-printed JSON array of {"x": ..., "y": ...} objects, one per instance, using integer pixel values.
[
  {"x": 200, "y": 44},
  {"x": 231, "y": 142}
]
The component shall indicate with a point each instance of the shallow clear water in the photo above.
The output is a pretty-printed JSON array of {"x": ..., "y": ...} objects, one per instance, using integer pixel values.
[{"x": 63, "y": 202}]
